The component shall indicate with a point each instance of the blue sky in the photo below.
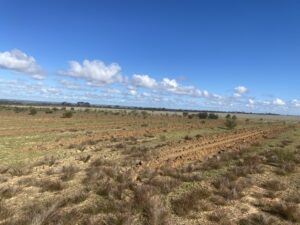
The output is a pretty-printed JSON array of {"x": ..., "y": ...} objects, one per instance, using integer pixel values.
[{"x": 221, "y": 55}]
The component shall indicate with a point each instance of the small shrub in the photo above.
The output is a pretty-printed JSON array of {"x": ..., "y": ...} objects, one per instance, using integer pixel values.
[
  {"x": 67, "y": 114},
  {"x": 50, "y": 185},
  {"x": 4, "y": 211},
  {"x": 189, "y": 201},
  {"x": 213, "y": 116},
  {"x": 231, "y": 122},
  {"x": 32, "y": 111},
  {"x": 185, "y": 114},
  {"x": 48, "y": 111},
  {"x": 187, "y": 137},
  {"x": 162, "y": 137},
  {"x": 273, "y": 185},
  {"x": 203, "y": 115},
  {"x": 257, "y": 219},
  {"x": 287, "y": 211},
  {"x": 68, "y": 172}
]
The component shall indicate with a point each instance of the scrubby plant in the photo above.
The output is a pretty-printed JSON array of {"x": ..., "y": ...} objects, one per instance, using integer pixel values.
[
  {"x": 231, "y": 122},
  {"x": 213, "y": 116},
  {"x": 48, "y": 111},
  {"x": 203, "y": 115},
  {"x": 67, "y": 114},
  {"x": 32, "y": 111}
]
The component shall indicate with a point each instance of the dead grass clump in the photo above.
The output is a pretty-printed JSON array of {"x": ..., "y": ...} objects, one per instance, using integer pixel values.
[
  {"x": 286, "y": 168},
  {"x": 286, "y": 142},
  {"x": 116, "y": 219},
  {"x": 187, "y": 138},
  {"x": 18, "y": 171},
  {"x": 47, "y": 160},
  {"x": 212, "y": 163},
  {"x": 84, "y": 158},
  {"x": 273, "y": 185},
  {"x": 287, "y": 211},
  {"x": 3, "y": 169},
  {"x": 100, "y": 162},
  {"x": 293, "y": 197},
  {"x": 4, "y": 211},
  {"x": 120, "y": 146},
  {"x": 257, "y": 219},
  {"x": 74, "y": 198},
  {"x": 68, "y": 172},
  {"x": 219, "y": 217},
  {"x": 150, "y": 205},
  {"x": 230, "y": 189},
  {"x": 183, "y": 174},
  {"x": 9, "y": 191},
  {"x": 279, "y": 155},
  {"x": 138, "y": 152},
  {"x": 40, "y": 213},
  {"x": 218, "y": 200},
  {"x": 165, "y": 184},
  {"x": 189, "y": 201},
  {"x": 49, "y": 185},
  {"x": 155, "y": 212}
]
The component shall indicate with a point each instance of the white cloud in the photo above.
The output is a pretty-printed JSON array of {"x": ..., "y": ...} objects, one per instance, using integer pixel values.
[
  {"x": 296, "y": 103},
  {"x": 18, "y": 61},
  {"x": 50, "y": 90},
  {"x": 144, "y": 81},
  {"x": 239, "y": 91},
  {"x": 278, "y": 102},
  {"x": 169, "y": 84},
  {"x": 70, "y": 84},
  {"x": 95, "y": 72}
]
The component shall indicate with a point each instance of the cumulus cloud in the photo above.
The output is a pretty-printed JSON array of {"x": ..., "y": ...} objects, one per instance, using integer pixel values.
[
  {"x": 95, "y": 72},
  {"x": 296, "y": 103},
  {"x": 279, "y": 102},
  {"x": 18, "y": 61},
  {"x": 251, "y": 101},
  {"x": 70, "y": 84},
  {"x": 239, "y": 91},
  {"x": 143, "y": 81},
  {"x": 169, "y": 84}
]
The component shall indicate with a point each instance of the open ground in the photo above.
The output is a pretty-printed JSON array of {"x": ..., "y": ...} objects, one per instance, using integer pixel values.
[{"x": 96, "y": 166}]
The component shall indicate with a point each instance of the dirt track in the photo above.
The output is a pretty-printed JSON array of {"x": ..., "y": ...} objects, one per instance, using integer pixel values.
[{"x": 199, "y": 149}]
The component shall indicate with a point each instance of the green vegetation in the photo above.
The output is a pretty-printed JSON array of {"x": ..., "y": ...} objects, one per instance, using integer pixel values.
[
  {"x": 32, "y": 111},
  {"x": 67, "y": 114},
  {"x": 231, "y": 121}
]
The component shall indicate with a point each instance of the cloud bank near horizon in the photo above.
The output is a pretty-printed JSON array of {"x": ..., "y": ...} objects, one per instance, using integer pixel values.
[{"x": 98, "y": 82}]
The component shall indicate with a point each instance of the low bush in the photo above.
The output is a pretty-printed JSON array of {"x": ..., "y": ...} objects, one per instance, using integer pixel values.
[{"x": 67, "y": 114}]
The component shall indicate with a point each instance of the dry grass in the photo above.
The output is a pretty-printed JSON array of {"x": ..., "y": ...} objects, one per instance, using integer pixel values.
[
  {"x": 287, "y": 211},
  {"x": 100, "y": 172},
  {"x": 189, "y": 201}
]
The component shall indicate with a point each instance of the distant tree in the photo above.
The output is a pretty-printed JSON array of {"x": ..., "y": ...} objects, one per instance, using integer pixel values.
[
  {"x": 32, "y": 111},
  {"x": 203, "y": 115},
  {"x": 191, "y": 116},
  {"x": 67, "y": 114},
  {"x": 144, "y": 114},
  {"x": 228, "y": 116},
  {"x": 231, "y": 122},
  {"x": 213, "y": 116},
  {"x": 17, "y": 109},
  {"x": 48, "y": 111},
  {"x": 185, "y": 114}
]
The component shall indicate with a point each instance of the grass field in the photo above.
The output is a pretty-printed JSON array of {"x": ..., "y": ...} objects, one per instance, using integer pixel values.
[{"x": 136, "y": 167}]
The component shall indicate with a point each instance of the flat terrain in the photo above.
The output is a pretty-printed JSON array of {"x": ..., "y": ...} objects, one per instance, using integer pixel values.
[{"x": 136, "y": 167}]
